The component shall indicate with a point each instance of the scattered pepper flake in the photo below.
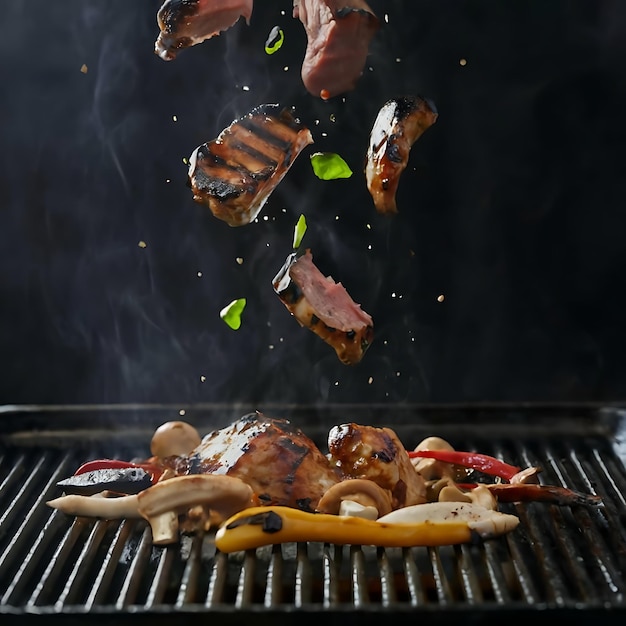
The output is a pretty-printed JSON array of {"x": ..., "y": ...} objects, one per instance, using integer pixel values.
[
  {"x": 231, "y": 314},
  {"x": 329, "y": 166},
  {"x": 239, "y": 260},
  {"x": 84, "y": 69},
  {"x": 142, "y": 244},
  {"x": 463, "y": 62},
  {"x": 441, "y": 298}
]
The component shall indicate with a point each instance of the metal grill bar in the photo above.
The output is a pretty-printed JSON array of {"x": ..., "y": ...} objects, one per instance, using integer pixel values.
[{"x": 561, "y": 557}]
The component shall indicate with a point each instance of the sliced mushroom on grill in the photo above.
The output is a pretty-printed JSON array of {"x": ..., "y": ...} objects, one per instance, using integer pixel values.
[{"x": 235, "y": 174}]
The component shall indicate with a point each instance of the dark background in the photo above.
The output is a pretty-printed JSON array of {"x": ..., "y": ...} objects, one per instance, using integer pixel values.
[{"x": 513, "y": 207}]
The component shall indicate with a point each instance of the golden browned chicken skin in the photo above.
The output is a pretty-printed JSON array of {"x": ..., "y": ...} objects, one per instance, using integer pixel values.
[
  {"x": 281, "y": 464},
  {"x": 377, "y": 454}
]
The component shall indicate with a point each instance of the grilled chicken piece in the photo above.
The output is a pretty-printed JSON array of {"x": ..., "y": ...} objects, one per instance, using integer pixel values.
[
  {"x": 377, "y": 454},
  {"x": 325, "y": 307},
  {"x": 399, "y": 124},
  {"x": 185, "y": 23},
  {"x": 281, "y": 464},
  {"x": 235, "y": 174},
  {"x": 338, "y": 37}
]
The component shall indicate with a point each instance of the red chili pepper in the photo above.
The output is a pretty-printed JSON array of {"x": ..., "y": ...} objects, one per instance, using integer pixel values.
[
  {"x": 473, "y": 460},
  {"x": 154, "y": 470}
]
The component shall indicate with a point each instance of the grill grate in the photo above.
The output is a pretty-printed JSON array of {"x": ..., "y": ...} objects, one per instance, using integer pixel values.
[{"x": 559, "y": 558}]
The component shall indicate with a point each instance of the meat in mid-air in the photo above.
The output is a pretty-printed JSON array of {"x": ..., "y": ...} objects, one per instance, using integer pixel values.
[
  {"x": 281, "y": 464},
  {"x": 399, "y": 124},
  {"x": 377, "y": 454},
  {"x": 185, "y": 23},
  {"x": 235, "y": 174},
  {"x": 325, "y": 307},
  {"x": 339, "y": 33}
]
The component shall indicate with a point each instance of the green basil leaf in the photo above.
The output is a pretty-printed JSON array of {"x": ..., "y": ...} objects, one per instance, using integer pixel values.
[
  {"x": 231, "y": 314},
  {"x": 274, "y": 40},
  {"x": 328, "y": 166},
  {"x": 298, "y": 232}
]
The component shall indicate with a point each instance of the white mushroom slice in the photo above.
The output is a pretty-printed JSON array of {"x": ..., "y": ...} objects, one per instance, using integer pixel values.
[
  {"x": 354, "y": 509},
  {"x": 224, "y": 495},
  {"x": 481, "y": 494},
  {"x": 174, "y": 439},
  {"x": 97, "y": 506},
  {"x": 164, "y": 528},
  {"x": 361, "y": 490},
  {"x": 484, "y": 522},
  {"x": 432, "y": 469}
]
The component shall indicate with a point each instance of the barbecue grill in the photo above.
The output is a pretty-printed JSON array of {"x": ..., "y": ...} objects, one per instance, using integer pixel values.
[{"x": 566, "y": 561}]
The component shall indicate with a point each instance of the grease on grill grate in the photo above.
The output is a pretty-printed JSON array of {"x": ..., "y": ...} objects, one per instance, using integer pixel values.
[{"x": 562, "y": 556}]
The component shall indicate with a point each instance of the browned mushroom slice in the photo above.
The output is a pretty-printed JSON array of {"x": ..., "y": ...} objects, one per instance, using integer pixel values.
[{"x": 364, "y": 492}]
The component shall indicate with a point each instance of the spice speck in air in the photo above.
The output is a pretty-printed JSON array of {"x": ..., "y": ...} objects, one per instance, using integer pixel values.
[
  {"x": 274, "y": 40},
  {"x": 231, "y": 314},
  {"x": 329, "y": 166}
]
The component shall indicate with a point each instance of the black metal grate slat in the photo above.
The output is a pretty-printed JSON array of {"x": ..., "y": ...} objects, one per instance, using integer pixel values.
[{"x": 560, "y": 557}]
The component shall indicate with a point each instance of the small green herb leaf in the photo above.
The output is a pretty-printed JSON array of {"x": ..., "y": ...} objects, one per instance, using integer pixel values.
[
  {"x": 298, "y": 232},
  {"x": 274, "y": 40},
  {"x": 231, "y": 314},
  {"x": 328, "y": 166}
]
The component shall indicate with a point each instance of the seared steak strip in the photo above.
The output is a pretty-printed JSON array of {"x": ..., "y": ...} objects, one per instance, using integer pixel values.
[
  {"x": 400, "y": 122},
  {"x": 325, "y": 307},
  {"x": 185, "y": 23},
  {"x": 235, "y": 174}
]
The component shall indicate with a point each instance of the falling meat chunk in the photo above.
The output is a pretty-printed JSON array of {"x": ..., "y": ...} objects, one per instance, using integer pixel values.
[
  {"x": 325, "y": 307},
  {"x": 377, "y": 454},
  {"x": 235, "y": 174},
  {"x": 399, "y": 124},
  {"x": 281, "y": 464},
  {"x": 185, "y": 23},
  {"x": 338, "y": 36}
]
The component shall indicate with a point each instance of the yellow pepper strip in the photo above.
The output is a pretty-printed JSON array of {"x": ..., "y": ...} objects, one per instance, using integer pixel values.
[{"x": 260, "y": 526}]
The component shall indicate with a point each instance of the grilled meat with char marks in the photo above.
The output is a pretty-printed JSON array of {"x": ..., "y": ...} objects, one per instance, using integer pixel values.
[
  {"x": 399, "y": 124},
  {"x": 281, "y": 464},
  {"x": 235, "y": 174},
  {"x": 377, "y": 454},
  {"x": 324, "y": 307},
  {"x": 338, "y": 37},
  {"x": 185, "y": 23}
]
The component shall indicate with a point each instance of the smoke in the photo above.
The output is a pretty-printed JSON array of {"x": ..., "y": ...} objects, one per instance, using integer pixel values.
[{"x": 112, "y": 278}]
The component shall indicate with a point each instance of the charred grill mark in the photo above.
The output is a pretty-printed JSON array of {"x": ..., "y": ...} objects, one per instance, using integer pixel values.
[
  {"x": 263, "y": 131},
  {"x": 304, "y": 504},
  {"x": 347, "y": 11},
  {"x": 257, "y": 155},
  {"x": 217, "y": 187},
  {"x": 393, "y": 152},
  {"x": 399, "y": 492},
  {"x": 295, "y": 453}
]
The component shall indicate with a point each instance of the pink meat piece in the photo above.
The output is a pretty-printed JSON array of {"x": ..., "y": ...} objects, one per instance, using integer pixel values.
[
  {"x": 185, "y": 23},
  {"x": 338, "y": 37}
]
